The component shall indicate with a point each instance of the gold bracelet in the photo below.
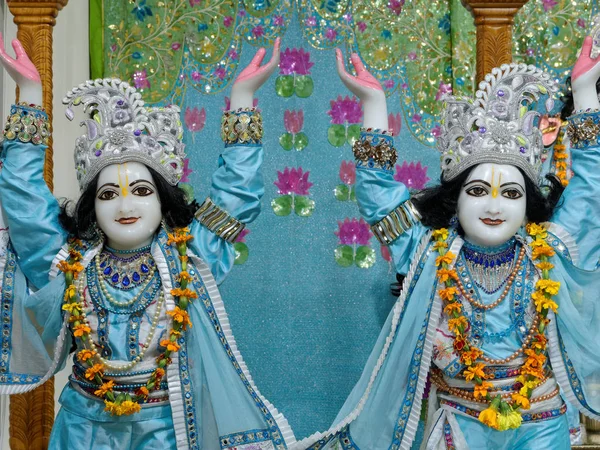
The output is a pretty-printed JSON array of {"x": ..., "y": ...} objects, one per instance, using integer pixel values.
[
  {"x": 400, "y": 220},
  {"x": 219, "y": 221},
  {"x": 584, "y": 129},
  {"x": 27, "y": 123},
  {"x": 243, "y": 126}
]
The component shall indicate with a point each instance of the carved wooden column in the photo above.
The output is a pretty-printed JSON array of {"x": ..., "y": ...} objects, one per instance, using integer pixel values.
[
  {"x": 494, "y": 22},
  {"x": 32, "y": 414}
]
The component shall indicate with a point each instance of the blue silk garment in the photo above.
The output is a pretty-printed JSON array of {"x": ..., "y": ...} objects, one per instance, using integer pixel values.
[
  {"x": 393, "y": 406},
  {"x": 207, "y": 399}
]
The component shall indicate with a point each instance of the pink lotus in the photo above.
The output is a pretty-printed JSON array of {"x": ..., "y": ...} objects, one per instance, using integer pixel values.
[
  {"x": 227, "y": 21},
  {"x": 395, "y": 123},
  {"x": 348, "y": 172},
  {"x": 242, "y": 236},
  {"x": 295, "y": 61},
  {"x": 194, "y": 119},
  {"x": 396, "y": 6},
  {"x": 362, "y": 26},
  {"x": 331, "y": 34},
  {"x": 549, "y": 4},
  {"x": 293, "y": 181},
  {"x": 194, "y": 2},
  {"x": 220, "y": 72},
  {"x": 353, "y": 231},
  {"x": 443, "y": 89},
  {"x": 140, "y": 80},
  {"x": 345, "y": 110},
  {"x": 186, "y": 171},
  {"x": 278, "y": 21},
  {"x": 293, "y": 121},
  {"x": 411, "y": 175},
  {"x": 258, "y": 31},
  {"x": 436, "y": 131}
]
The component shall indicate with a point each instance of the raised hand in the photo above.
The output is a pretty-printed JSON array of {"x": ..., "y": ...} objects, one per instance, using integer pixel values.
[
  {"x": 253, "y": 77},
  {"x": 23, "y": 72},
  {"x": 550, "y": 127},
  {"x": 366, "y": 87},
  {"x": 586, "y": 72}
]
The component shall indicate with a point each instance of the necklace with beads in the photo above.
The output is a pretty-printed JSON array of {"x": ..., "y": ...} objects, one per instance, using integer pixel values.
[
  {"x": 125, "y": 269},
  {"x": 490, "y": 268}
]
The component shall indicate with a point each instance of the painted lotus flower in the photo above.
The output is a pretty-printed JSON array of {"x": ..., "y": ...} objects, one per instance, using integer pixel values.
[
  {"x": 186, "y": 171},
  {"x": 412, "y": 175},
  {"x": 395, "y": 6},
  {"x": 345, "y": 110},
  {"x": 242, "y": 236},
  {"x": 353, "y": 231},
  {"x": 293, "y": 121},
  {"x": 140, "y": 80},
  {"x": 348, "y": 172},
  {"x": 395, "y": 123},
  {"x": 194, "y": 119},
  {"x": 293, "y": 181},
  {"x": 295, "y": 61},
  {"x": 443, "y": 89}
]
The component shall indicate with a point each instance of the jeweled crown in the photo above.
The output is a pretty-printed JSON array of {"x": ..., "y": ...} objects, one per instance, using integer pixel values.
[
  {"x": 498, "y": 126},
  {"x": 121, "y": 129}
]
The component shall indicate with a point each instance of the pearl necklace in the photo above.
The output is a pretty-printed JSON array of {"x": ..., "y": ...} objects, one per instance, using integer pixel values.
[
  {"x": 145, "y": 345},
  {"x": 109, "y": 297}
]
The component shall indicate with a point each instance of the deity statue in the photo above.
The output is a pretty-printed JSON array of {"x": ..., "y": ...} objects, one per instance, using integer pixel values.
[
  {"x": 499, "y": 308},
  {"x": 127, "y": 277}
]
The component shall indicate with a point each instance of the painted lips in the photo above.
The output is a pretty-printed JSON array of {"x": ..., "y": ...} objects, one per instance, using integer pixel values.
[
  {"x": 492, "y": 222},
  {"x": 127, "y": 220}
]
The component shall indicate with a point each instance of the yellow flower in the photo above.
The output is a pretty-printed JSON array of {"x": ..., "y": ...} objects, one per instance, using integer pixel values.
[
  {"x": 128, "y": 407},
  {"x": 503, "y": 424},
  {"x": 73, "y": 308},
  {"x": 442, "y": 233},
  {"x": 560, "y": 155},
  {"x": 104, "y": 388},
  {"x": 446, "y": 274},
  {"x": 548, "y": 286},
  {"x": 468, "y": 357},
  {"x": 453, "y": 307},
  {"x": 183, "y": 258},
  {"x": 474, "y": 371},
  {"x": 74, "y": 254},
  {"x": 70, "y": 293},
  {"x": 543, "y": 302},
  {"x": 440, "y": 244},
  {"x": 448, "y": 293},
  {"x": 454, "y": 324},
  {"x": 179, "y": 237},
  {"x": 112, "y": 408},
  {"x": 177, "y": 292},
  {"x": 171, "y": 346},
  {"x": 96, "y": 369},
  {"x": 65, "y": 267},
  {"x": 81, "y": 329},
  {"x": 444, "y": 259},
  {"x": 542, "y": 251},
  {"x": 183, "y": 275},
  {"x": 545, "y": 265},
  {"x": 521, "y": 400},
  {"x": 159, "y": 373},
  {"x": 514, "y": 420},
  {"x": 481, "y": 390},
  {"x": 85, "y": 354},
  {"x": 181, "y": 316},
  {"x": 489, "y": 417},
  {"x": 536, "y": 230}
]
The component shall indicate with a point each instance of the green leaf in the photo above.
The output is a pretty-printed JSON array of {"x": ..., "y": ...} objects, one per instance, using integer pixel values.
[
  {"x": 344, "y": 255},
  {"x": 286, "y": 140},
  {"x": 353, "y": 194},
  {"x": 282, "y": 206},
  {"x": 304, "y": 86},
  {"x": 342, "y": 193},
  {"x": 353, "y": 133},
  {"x": 365, "y": 257},
  {"x": 241, "y": 253},
  {"x": 300, "y": 141},
  {"x": 304, "y": 206},
  {"x": 284, "y": 85},
  {"x": 336, "y": 135}
]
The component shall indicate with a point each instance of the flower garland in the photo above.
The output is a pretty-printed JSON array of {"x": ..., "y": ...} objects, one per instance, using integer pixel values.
[
  {"x": 501, "y": 414},
  {"x": 560, "y": 157},
  {"x": 125, "y": 403}
]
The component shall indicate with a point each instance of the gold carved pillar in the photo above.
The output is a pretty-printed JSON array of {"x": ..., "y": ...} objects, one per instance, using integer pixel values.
[
  {"x": 32, "y": 414},
  {"x": 494, "y": 22}
]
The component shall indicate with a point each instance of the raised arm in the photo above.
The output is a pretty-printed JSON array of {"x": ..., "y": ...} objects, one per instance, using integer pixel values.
[
  {"x": 580, "y": 205},
  {"x": 237, "y": 185},
  {"x": 30, "y": 209},
  {"x": 382, "y": 201}
]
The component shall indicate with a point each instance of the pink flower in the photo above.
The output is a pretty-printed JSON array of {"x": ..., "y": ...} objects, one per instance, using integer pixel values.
[
  {"x": 549, "y": 4},
  {"x": 233, "y": 54},
  {"x": 196, "y": 76},
  {"x": 416, "y": 118},
  {"x": 293, "y": 121},
  {"x": 310, "y": 21},
  {"x": 194, "y": 119},
  {"x": 362, "y": 26},
  {"x": 293, "y": 181},
  {"x": 331, "y": 34},
  {"x": 175, "y": 46},
  {"x": 194, "y": 2},
  {"x": 412, "y": 56},
  {"x": 411, "y": 175},
  {"x": 242, "y": 13},
  {"x": 345, "y": 110},
  {"x": 404, "y": 85},
  {"x": 113, "y": 48},
  {"x": 258, "y": 31},
  {"x": 530, "y": 52},
  {"x": 352, "y": 231},
  {"x": 242, "y": 236},
  {"x": 581, "y": 23},
  {"x": 395, "y": 123},
  {"x": 278, "y": 20},
  {"x": 186, "y": 171},
  {"x": 347, "y": 17},
  {"x": 389, "y": 84},
  {"x": 385, "y": 253},
  {"x": 396, "y": 6},
  {"x": 443, "y": 89},
  {"x": 303, "y": 62},
  {"x": 295, "y": 61},
  {"x": 436, "y": 131},
  {"x": 287, "y": 62},
  {"x": 348, "y": 172},
  {"x": 227, "y": 21},
  {"x": 140, "y": 80},
  {"x": 220, "y": 72}
]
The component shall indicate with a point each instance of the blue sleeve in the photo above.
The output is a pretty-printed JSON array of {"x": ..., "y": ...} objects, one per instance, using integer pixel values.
[
  {"x": 579, "y": 206},
  {"x": 237, "y": 187},
  {"x": 30, "y": 210},
  {"x": 378, "y": 194}
]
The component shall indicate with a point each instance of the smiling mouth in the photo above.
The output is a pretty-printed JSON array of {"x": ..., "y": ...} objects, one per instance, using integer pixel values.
[
  {"x": 127, "y": 220},
  {"x": 492, "y": 222}
]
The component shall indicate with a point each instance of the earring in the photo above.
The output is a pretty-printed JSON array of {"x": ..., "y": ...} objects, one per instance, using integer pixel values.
[{"x": 453, "y": 221}]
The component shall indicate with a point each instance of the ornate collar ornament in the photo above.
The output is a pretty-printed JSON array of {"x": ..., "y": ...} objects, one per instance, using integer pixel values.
[
  {"x": 498, "y": 126},
  {"x": 490, "y": 267},
  {"x": 121, "y": 129}
]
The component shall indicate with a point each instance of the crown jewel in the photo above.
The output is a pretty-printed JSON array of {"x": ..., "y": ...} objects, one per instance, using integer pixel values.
[
  {"x": 121, "y": 129},
  {"x": 498, "y": 126}
]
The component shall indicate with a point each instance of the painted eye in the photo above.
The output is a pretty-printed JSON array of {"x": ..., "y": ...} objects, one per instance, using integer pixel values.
[
  {"x": 143, "y": 191},
  {"x": 512, "y": 194},
  {"x": 477, "y": 191},
  {"x": 107, "y": 195}
]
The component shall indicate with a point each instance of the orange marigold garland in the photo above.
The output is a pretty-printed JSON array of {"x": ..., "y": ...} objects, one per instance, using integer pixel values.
[
  {"x": 500, "y": 415},
  {"x": 123, "y": 403},
  {"x": 560, "y": 157}
]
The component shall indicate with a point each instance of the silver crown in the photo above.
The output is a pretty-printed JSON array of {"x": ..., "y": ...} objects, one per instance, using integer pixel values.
[
  {"x": 121, "y": 129},
  {"x": 499, "y": 125}
]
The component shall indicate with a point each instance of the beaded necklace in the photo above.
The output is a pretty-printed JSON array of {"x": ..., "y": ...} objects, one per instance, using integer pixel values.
[
  {"x": 501, "y": 414},
  {"x": 127, "y": 272}
]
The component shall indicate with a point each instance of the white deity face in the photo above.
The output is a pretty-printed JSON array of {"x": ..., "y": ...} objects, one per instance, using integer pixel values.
[
  {"x": 127, "y": 205},
  {"x": 491, "y": 204}
]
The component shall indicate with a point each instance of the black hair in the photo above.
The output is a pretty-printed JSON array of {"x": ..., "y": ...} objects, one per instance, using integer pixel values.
[
  {"x": 437, "y": 204},
  {"x": 567, "y": 99},
  {"x": 79, "y": 220}
]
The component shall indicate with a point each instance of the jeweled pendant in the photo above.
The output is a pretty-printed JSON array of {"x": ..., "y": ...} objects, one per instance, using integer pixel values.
[
  {"x": 115, "y": 278},
  {"x": 144, "y": 268},
  {"x": 125, "y": 282},
  {"x": 107, "y": 271},
  {"x": 136, "y": 277}
]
